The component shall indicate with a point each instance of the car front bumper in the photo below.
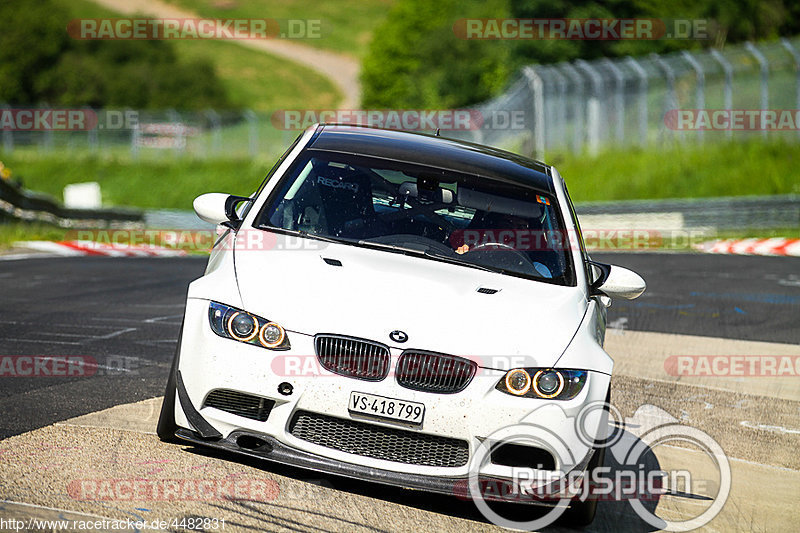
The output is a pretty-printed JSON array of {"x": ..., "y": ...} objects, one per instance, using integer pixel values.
[{"x": 208, "y": 362}]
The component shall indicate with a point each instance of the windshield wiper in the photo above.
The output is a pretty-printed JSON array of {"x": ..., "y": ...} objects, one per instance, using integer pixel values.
[
  {"x": 454, "y": 261},
  {"x": 381, "y": 246},
  {"x": 305, "y": 234},
  {"x": 425, "y": 253}
]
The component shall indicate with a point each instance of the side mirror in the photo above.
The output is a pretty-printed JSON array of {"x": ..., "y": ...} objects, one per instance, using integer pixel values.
[
  {"x": 219, "y": 208},
  {"x": 616, "y": 282}
]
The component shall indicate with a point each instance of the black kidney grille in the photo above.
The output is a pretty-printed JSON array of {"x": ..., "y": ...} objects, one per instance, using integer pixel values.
[
  {"x": 240, "y": 404},
  {"x": 355, "y": 358},
  {"x": 434, "y": 372},
  {"x": 378, "y": 442}
]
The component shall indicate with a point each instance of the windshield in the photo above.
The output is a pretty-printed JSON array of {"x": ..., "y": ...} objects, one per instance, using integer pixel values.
[{"x": 441, "y": 215}]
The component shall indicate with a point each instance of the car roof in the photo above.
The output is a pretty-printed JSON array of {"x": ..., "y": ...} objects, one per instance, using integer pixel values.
[{"x": 433, "y": 151}]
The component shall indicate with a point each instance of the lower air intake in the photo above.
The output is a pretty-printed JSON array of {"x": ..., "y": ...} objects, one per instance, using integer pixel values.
[
  {"x": 240, "y": 404},
  {"x": 378, "y": 442}
]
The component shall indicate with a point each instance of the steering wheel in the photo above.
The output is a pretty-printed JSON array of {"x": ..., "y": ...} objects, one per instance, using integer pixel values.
[
  {"x": 497, "y": 244},
  {"x": 510, "y": 259}
]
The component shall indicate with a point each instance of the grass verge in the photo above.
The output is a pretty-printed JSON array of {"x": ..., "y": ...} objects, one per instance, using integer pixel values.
[
  {"x": 346, "y": 25},
  {"x": 147, "y": 184},
  {"x": 748, "y": 168},
  {"x": 252, "y": 79}
]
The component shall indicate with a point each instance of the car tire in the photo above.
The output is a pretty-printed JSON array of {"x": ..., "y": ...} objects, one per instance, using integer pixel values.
[
  {"x": 166, "y": 420},
  {"x": 582, "y": 513}
]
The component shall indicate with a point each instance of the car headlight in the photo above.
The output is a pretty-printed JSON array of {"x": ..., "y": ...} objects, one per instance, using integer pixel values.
[
  {"x": 544, "y": 383},
  {"x": 232, "y": 323}
]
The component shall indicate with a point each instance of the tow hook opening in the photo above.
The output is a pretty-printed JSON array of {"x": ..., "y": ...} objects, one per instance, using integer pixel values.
[{"x": 250, "y": 442}]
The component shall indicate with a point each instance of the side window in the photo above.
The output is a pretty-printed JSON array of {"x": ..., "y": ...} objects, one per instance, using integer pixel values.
[
  {"x": 248, "y": 205},
  {"x": 581, "y": 244}
]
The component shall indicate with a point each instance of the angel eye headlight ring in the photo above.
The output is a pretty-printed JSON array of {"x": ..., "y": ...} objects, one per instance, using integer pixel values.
[
  {"x": 271, "y": 335},
  {"x": 237, "y": 323},
  {"x": 543, "y": 383},
  {"x": 548, "y": 383},
  {"x": 513, "y": 383}
]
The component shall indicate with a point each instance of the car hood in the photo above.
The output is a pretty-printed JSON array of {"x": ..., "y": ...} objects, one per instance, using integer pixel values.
[{"x": 373, "y": 292}]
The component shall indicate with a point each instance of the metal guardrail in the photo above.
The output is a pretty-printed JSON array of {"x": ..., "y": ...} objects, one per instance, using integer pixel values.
[
  {"x": 20, "y": 204},
  {"x": 729, "y": 213},
  {"x": 733, "y": 212}
]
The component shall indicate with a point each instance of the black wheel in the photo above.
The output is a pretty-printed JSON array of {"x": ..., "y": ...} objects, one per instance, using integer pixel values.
[
  {"x": 582, "y": 513},
  {"x": 166, "y": 420}
]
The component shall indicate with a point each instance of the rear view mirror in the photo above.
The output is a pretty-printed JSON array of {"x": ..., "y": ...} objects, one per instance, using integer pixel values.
[
  {"x": 616, "y": 281},
  {"x": 219, "y": 208},
  {"x": 439, "y": 195},
  {"x": 483, "y": 201}
]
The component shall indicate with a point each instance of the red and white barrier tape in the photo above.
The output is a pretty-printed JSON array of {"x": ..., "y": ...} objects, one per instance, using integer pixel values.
[
  {"x": 774, "y": 246},
  {"x": 75, "y": 248}
]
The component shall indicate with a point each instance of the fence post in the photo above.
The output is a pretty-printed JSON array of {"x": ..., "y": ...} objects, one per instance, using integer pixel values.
[
  {"x": 764, "y": 64},
  {"x": 8, "y": 135},
  {"x": 550, "y": 106},
  {"x": 136, "y": 133},
  {"x": 594, "y": 115},
  {"x": 180, "y": 140},
  {"x": 619, "y": 98},
  {"x": 577, "y": 79},
  {"x": 216, "y": 132},
  {"x": 643, "y": 86},
  {"x": 796, "y": 57},
  {"x": 47, "y": 135},
  {"x": 672, "y": 98},
  {"x": 728, "y": 90},
  {"x": 92, "y": 133},
  {"x": 561, "y": 128},
  {"x": 252, "y": 132},
  {"x": 535, "y": 83},
  {"x": 700, "y": 96}
]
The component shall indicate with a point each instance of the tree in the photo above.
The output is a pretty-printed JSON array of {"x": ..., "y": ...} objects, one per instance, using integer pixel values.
[{"x": 39, "y": 62}]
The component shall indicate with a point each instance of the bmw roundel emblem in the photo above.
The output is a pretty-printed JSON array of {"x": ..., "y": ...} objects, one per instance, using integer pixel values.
[{"x": 398, "y": 336}]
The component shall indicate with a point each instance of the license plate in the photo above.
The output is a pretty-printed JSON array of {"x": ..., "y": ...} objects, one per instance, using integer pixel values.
[{"x": 390, "y": 408}]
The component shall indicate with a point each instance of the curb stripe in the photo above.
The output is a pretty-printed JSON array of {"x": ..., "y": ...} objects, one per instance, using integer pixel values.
[
  {"x": 91, "y": 248},
  {"x": 776, "y": 246}
]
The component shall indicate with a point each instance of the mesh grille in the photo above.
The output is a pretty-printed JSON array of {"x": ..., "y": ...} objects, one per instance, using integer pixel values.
[
  {"x": 433, "y": 372},
  {"x": 240, "y": 404},
  {"x": 379, "y": 442},
  {"x": 355, "y": 358}
]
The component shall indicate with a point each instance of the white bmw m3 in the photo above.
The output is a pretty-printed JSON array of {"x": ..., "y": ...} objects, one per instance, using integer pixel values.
[{"x": 386, "y": 306}]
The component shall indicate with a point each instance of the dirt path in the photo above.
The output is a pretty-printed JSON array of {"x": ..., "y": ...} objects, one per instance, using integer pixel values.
[{"x": 342, "y": 70}]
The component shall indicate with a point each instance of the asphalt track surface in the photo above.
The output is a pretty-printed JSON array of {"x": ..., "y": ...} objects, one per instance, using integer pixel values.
[{"x": 125, "y": 314}]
